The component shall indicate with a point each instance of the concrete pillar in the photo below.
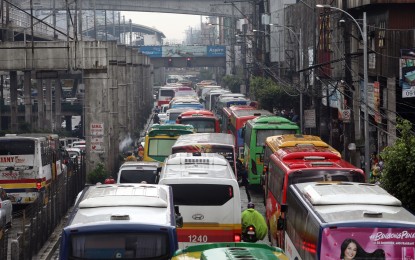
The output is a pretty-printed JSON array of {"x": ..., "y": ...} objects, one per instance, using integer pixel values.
[
  {"x": 129, "y": 89},
  {"x": 48, "y": 105},
  {"x": 122, "y": 94},
  {"x": 27, "y": 82},
  {"x": 13, "y": 101},
  {"x": 40, "y": 105},
  {"x": 136, "y": 113},
  {"x": 57, "y": 119},
  {"x": 113, "y": 127}
]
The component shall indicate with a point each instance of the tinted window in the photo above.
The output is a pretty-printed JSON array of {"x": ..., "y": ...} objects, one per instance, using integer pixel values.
[
  {"x": 201, "y": 125},
  {"x": 120, "y": 245},
  {"x": 263, "y": 134},
  {"x": 325, "y": 175},
  {"x": 167, "y": 93},
  {"x": 196, "y": 194},
  {"x": 17, "y": 147},
  {"x": 137, "y": 176}
]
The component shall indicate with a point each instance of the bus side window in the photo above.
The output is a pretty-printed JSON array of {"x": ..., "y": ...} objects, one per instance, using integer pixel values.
[{"x": 253, "y": 163}]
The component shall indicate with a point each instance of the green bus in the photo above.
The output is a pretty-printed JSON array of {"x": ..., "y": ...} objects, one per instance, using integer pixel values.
[
  {"x": 255, "y": 133},
  {"x": 230, "y": 250},
  {"x": 160, "y": 138}
]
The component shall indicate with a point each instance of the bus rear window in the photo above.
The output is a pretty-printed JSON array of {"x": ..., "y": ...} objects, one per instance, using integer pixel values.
[
  {"x": 120, "y": 245},
  {"x": 195, "y": 194},
  {"x": 263, "y": 134},
  {"x": 167, "y": 93},
  {"x": 325, "y": 175},
  {"x": 201, "y": 125},
  {"x": 137, "y": 176},
  {"x": 17, "y": 147},
  {"x": 160, "y": 147}
]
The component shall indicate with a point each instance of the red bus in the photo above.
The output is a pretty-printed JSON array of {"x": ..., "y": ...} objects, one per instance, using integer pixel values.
[
  {"x": 299, "y": 164},
  {"x": 203, "y": 121},
  {"x": 237, "y": 120},
  {"x": 226, "y": 114}
]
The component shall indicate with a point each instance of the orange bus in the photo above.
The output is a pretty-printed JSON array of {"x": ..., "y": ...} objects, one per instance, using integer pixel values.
[
  {"x": 203, "y": 121},
  {"x": 237, "y": 120},
  {"x": 299, "y": 164},
  {"x": 226, "y": 114}
]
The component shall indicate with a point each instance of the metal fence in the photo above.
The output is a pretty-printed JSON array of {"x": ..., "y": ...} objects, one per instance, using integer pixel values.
[{"x": 39, "y": 219}]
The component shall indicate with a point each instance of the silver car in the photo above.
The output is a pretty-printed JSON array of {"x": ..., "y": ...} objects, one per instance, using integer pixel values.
[{"x": 6, "y": 209}]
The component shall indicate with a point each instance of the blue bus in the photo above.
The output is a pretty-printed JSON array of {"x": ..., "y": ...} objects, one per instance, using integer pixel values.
[{"x": 134, "y": 221}]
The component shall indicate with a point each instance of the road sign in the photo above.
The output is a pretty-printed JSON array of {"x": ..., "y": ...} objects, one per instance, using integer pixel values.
[
  {"x": 346, "y": 115},
  {"x": 97, "y": 145},
  {"x": 310, "y": 118},
  {"x": 97, "y": 129}
]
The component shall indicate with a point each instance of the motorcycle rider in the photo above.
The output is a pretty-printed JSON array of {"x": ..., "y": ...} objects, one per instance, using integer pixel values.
[{"x": 251, "y": 217}]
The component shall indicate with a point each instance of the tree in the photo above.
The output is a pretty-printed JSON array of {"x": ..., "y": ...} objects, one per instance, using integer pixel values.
[
  {"x": 232, "y": 82},
  {"x": 99, "y": 174},
  {"x": 270, "y": 95},
  {"x": 398, "y": 173}
]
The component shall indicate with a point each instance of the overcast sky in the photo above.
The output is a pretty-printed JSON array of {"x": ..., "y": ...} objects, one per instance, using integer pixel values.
[{"x": 172, "y": 25}]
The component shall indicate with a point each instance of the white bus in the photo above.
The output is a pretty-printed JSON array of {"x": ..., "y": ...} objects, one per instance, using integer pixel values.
[
  {"x": 129, "y": 221},
  {"x": 28, "y": 166},
  {"x": 345, "y": 220},
  {"x": 206, "y": 190}
]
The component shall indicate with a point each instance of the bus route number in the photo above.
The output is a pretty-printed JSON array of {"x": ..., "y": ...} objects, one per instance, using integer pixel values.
[{"x": 198, "y": 239}]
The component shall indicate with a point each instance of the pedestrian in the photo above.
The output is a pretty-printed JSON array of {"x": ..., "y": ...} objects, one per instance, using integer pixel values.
[
  {"x": 243, "y": 174},
  {"x": 156, "y": 119}
]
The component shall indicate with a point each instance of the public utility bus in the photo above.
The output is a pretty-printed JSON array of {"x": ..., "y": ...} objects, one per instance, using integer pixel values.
[
  {"x": 255, "y": 132},
  {"x": 297, "y": 164},
  {"x": 166, "y": 93},
  {"x": 129, "y": 221},
  {"x": 223, "y": 144},
  {"x": 29, "y": 164},
  {"x": 226, "y": 115},
  {"x": 274, "y": 143},
  {"x": 237, "y": 120},
  {"x": 346, "y": 221},
  {"x": 203, "y": 121},
  {"x": 211, "y": 97},
  {"x": 227, "y": 102},
  {"x": 160, "y": 138},
  {"x": 207, "y": 192}
]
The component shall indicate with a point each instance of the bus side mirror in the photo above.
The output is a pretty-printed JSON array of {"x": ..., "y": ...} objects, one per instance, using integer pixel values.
[
  {"x": 284, "y": 208},
  {"x": 178, "y": 217}
]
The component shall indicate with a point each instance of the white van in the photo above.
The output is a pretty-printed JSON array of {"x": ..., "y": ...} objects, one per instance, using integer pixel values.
[
  {"x": 139, "y": 172},
  {"x": 207, "y": 192}
]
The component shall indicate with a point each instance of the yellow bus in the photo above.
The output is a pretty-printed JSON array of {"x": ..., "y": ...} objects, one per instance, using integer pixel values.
[{"x": 160, "y": 139}]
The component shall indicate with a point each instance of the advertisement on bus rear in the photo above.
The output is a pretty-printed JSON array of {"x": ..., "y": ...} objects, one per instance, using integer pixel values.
[{"x": 368, "y": 243}]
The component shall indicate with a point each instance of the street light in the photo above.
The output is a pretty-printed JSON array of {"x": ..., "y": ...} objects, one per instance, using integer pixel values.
[{"x": 363, "y": 33}]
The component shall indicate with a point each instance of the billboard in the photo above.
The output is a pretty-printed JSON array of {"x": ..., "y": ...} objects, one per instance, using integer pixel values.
[
  {"x": 183, "y": 51},
  {"x": 407, "y": 73},
  {"x": 367, "y": 243}
]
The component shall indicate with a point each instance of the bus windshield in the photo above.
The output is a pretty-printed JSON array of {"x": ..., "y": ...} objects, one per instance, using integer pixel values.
[
  {"x": 160, "y": 147},
  {"x": 137, "y": 176},
  {"x": 263, "y": 134},
  {"x": 315, "y": 175},
  {"x": 119, "y": 245},
  {"x": 201, "y": 125}
]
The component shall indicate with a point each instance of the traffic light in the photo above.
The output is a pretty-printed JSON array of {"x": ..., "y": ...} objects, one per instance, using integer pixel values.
[
  {"x": 189, "y": 62},
  {"x": 170, "y": 62}
]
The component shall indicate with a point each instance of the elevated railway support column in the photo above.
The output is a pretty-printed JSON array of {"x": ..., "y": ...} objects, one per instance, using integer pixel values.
[
  {"x": 48, "y": 105},
  {"x": 13, "y": 101},
  {"x": 27, "y": 83},
  {"x": 130, "y": 92},
  {"x": 122, "y": 96}
]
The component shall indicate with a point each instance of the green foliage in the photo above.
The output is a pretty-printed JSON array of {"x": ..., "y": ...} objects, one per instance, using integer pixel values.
[
  {"x": 270, "y": 95},
  {"x": 398, "y": 174},
  {"x": 232, "y": 82},
  {"x": 206, "y": 74},
  {"x": 99, "y": 174}
]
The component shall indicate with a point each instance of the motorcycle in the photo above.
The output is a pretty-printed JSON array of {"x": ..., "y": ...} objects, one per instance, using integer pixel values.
[{"x": 249, "y": 235}]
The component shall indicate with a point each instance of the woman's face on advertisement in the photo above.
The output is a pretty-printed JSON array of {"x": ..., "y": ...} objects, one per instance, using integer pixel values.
[{"x": 350, "y": 251}]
